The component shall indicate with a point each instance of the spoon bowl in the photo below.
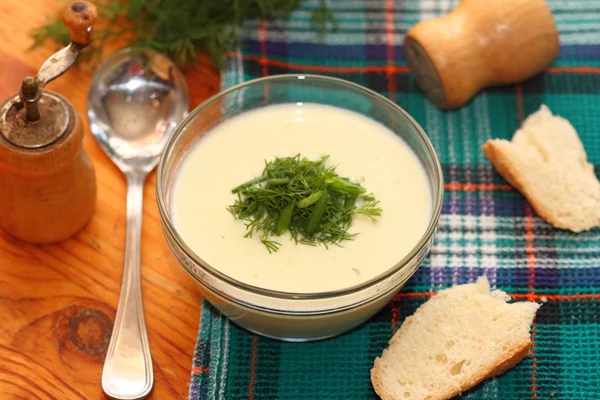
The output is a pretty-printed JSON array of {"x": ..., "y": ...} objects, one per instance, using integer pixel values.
[{"x": 135, "y": 102}]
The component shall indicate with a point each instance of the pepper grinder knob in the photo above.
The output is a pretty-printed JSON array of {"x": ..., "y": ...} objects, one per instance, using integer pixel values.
[{"x": 79, "y": 17}]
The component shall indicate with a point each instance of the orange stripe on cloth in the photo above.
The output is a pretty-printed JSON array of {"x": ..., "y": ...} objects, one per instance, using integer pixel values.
[
  {"x": 253, "y": 361},
  {"x": 520, "y": 110},
  {"x": 390, "y": 74},
  {"x": 396, "y": 69},
  {"x": 395, "y": 318},
  {"x": 262, "y": 37},
  {"x": 200, "y": 370},
  {"x": 573, "y": 70},
  {"x": 390, "y": 50},
  {"x": 531, "y": 262},
  {"x": 326, "y": 68},
  {"x": 472, "y": 187}
]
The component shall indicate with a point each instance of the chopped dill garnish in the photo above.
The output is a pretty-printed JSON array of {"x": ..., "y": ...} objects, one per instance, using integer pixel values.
[{"x": 305, "y": 198}]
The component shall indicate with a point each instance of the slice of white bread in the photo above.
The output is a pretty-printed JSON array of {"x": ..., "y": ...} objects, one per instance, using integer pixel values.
[
  {"x": 546, "y": 162},
  {"x": 455, "y": 340}
]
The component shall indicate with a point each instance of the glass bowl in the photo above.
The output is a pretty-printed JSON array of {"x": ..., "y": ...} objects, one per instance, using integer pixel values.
[{"x": 282, "y": 315}]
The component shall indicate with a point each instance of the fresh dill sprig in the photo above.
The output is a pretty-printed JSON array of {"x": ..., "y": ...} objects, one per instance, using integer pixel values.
[
  {"x": 303, "y": 197},
  {"x": 180, "y": 29}
]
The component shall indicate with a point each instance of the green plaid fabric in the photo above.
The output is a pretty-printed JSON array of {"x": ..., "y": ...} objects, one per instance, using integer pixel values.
[{"x": 486, "y": 227}]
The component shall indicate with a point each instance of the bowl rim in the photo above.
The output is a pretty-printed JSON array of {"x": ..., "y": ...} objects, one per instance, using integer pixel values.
[{"x": 169, "y": 226}]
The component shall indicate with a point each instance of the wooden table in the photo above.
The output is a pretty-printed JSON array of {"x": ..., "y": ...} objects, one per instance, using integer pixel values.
[{"x": 57, "y": 302}]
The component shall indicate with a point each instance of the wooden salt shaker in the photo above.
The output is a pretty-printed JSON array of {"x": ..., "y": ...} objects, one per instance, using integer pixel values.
[
  {"x": 47, "y": 181},
  {"x": 480, "y": 43}
]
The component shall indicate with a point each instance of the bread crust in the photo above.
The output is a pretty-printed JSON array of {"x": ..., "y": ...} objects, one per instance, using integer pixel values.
[
  {"x": 513, "y": 360},
  {"x": 507, "y": 361}
]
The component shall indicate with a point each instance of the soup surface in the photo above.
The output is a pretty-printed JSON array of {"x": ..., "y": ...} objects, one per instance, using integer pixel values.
[{"x": 363, "y": 150}]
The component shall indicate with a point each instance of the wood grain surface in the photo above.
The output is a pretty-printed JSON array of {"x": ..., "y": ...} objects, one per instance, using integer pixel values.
[{"x": 57, "y": 302}]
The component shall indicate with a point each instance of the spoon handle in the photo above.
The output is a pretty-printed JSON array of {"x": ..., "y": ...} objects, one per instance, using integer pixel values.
[{"x": 127, "y": 372}]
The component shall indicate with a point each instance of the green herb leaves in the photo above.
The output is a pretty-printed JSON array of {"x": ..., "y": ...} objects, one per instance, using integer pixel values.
[
  {"x": 181, "y": 29},
  {"x": 304, "y": 197}
]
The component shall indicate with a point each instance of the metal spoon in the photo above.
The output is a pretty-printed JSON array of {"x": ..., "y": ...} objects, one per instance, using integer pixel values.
[{"x": 135, "y": 101}]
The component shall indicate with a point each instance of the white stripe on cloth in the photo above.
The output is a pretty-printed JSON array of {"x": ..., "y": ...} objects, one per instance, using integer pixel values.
[
  {"x": 493, "y": 249},
  {"x": 487, "y": 220},
  {"x": 225, "y": 360},
  {"x": 196, "y": 361},
  {"x": 234, "y": 73},
  {"x": 435, "y": 130},
  {"x": 457, "y": 262},
  {"x": 359, "y": 38},
  {"x": 216, "y": 354},
  {"x": 360, "y": 4},
  {"x": 310, "y": 36}
]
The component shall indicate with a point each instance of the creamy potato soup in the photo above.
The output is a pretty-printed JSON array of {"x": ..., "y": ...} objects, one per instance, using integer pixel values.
[{"x": 363, "y": 150}]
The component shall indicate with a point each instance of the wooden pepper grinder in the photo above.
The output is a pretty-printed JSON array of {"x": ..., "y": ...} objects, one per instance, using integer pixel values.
[
  {"x": 480, "y": 43},
  {"x": 47, "y": 181}
]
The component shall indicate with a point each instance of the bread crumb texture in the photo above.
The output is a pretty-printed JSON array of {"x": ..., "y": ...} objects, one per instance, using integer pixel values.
[
  {"x": 546, "y": 162},
  {"x": 455, "y": 340}
]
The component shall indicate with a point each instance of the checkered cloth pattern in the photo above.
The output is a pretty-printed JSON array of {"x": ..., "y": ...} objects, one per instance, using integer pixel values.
[{"x": 486, "y": 228}]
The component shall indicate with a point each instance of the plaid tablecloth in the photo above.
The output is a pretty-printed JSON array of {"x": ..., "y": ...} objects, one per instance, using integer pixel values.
[{"x": 486, "y": 227}]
